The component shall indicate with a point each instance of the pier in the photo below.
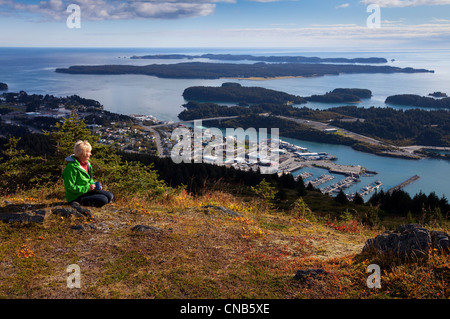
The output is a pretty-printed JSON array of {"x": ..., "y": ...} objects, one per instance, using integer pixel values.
[
  {"x": 320, "y": 180},
  {"x": 407, "y": 182},
  {"x": 366, "y": 190},
  {"x": 341, "y": 185}
]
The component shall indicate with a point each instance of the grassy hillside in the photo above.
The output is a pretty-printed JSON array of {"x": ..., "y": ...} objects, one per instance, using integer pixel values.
[{"x": 193, "y": 251}]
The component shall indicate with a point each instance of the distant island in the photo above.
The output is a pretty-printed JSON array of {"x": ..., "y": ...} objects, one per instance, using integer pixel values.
[
  {"x": 419, "y": 101},
  {"x": 246, "y": 57},
  {"x": 234, "y": 92},
  {"x": 3, "y": 86},
  {"x": 341, "y": 96},
  {"x": 260, "y": 70},
  {"x": 438, "y": 94}
]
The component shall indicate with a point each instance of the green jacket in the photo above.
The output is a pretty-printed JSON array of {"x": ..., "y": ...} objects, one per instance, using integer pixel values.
[{"x": 76, "y": 179}]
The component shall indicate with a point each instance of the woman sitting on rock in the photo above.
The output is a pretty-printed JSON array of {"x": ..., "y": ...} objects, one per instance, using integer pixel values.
[{"x": 81, "y": 189}]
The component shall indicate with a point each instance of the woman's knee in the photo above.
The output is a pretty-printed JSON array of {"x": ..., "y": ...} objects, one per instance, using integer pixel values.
[
  {"x": 107, "y": 194},
  {"x": 97, "y": 201}
]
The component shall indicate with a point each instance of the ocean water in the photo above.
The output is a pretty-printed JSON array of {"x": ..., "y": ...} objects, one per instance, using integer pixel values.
[{"x": 32, "y": 70}]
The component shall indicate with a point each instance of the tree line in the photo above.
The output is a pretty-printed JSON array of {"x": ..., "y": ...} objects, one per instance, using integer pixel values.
[
  {"x": 420, "y": 206},
  {"x": 199, "y": 177}
]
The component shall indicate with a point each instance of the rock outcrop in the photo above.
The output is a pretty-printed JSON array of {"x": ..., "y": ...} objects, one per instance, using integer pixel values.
[
  {"x": 308, "y": 273},
  {"x": 37, "y": 213},
  {"x": 409, "y": 240}
]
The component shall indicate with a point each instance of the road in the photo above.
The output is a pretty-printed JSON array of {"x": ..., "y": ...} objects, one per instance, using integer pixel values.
[
  {"x": 413, "y": 148},
  {"x": 323, "y": 126},
  {"x": 395, "y": 151},
  {"x": 192, "y": 121},
  {"x": 158, "y": 143}
]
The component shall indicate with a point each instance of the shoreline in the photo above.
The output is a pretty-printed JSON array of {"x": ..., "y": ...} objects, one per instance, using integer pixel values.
[{"x": 262, "y": 78}]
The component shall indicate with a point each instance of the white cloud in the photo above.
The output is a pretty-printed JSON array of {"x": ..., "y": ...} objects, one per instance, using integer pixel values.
[
  {"x": 406, "y": 3},
  {"x": 340, "y": 35},
  {"x": 344, "y": 5},
  {"x": 437, "y": 20},
  {"x": 116, "y": 9},
  {"x": 264, "y": 1}
]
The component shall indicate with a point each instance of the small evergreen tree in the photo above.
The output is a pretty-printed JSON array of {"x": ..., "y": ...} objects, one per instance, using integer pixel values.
[
  {"x": 341, "y": 197},
  {"x": 67, "y": 133},
  {"x": 346, "y": 216},
  {"x": 358, "y": 199},
  {"x": 21, "y": 171},
  {"x": 266, "y": 192},
  {"x": 302, "y": 210}
]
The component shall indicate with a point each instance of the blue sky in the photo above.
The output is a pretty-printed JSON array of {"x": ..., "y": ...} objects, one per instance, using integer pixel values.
[{"x": 228, "y": 23}]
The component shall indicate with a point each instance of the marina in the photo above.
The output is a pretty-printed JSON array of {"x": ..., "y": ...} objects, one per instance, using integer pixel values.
[
  {"x": 366, "y": 190},
  {"x": 341, "y": 185},
  {"x": 297, "y": 158},
  {"x": 321, "y": 180}
]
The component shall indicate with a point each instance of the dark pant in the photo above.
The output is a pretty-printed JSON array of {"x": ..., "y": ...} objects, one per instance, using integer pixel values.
[{"x": 96, "y": 198}]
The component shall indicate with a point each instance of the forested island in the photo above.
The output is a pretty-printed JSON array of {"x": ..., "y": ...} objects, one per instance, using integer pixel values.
[
  {"x": 234, "y": 92},
  {"x": 419, "y": 101},
  {"x": 247, "y": 57},
  {"x": 3, "y": 86},
  {"x": 341, "y": 96},
  {"x": 262, "y": 70}
]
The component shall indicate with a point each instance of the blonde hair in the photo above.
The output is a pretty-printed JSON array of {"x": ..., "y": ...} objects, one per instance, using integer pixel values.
[{"x": 81, "y": 148}]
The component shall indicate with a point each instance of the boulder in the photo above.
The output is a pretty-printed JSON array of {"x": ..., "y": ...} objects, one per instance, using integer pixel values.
[
  {"x": 308, "y": 273},
  {"x": 408, "y": 240},
  {"x": 147, "y": 229},
  {"x": 74, "y": 209},
  {"x": 36, "y": 216},
  {"x": 67, "y": 212},
  {"x": 223, "y": 210}
]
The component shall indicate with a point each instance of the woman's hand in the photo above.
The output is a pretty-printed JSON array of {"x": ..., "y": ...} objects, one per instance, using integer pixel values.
[{"x": 91, "y": 187}]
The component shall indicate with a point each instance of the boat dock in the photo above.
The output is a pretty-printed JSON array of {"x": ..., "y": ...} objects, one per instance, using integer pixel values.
[
  {"x": 407, "y": 182},
  {"x": 366, "y": 190},
  {"x": 341, "y": 185},
  {"x": 320, "y": 180}
]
